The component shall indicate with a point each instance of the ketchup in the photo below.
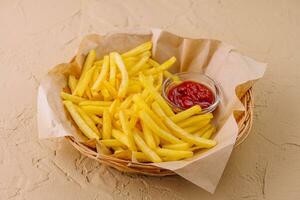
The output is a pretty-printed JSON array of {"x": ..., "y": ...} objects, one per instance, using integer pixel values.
[{"x": 190, "y": 93}]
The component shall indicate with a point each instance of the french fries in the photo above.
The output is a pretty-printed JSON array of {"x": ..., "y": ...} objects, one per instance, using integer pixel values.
[
  {"x": 186, "y": 114},
  {"x": 83, "y": 82},
  {"x": 106, "y": 124},
  {"x": 146, "y": 149},
  {"x": 97, "y": 85},
  {"x": 86, "y": 130},
  {"x": 127, "y": 130},
  {"x": 117, "y": 101},
  {"x": 72, "y": 82},
  {"x": 171, "y": 155},
  {"x": 69, "y": 97},
  {"x": 87, "y": 119},
  {"x": 95, "y": 103},
  {"x": 112, "y": 70},
  {"x": 124, "y": 74},
  {"x": 90, "y": 59}
]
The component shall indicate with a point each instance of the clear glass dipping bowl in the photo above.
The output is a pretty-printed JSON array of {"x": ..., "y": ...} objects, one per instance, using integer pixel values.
[{"x": 196, "y": 77}]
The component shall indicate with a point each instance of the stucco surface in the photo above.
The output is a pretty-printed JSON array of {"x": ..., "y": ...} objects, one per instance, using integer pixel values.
[{"x": 36, "y": 35}]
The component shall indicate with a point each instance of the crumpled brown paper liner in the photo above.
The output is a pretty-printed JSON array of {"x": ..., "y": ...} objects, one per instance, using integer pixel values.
[{"x": 234, "y": 73}]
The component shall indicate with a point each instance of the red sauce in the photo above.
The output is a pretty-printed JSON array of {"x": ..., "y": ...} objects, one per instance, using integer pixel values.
[{"x": 190, "y": 93}]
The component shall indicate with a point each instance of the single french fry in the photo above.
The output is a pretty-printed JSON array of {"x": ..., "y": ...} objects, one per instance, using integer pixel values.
[
  {"x": 157, "y": 130},
  {"x": 157, "y": 109},
  {"x": 138, "y": 50},
  {"x": 126, "y": 103},
  {"x": 132, "y": 59},
  {"x": 96, "y": 119},
  {"x": 172, "y": 155},
  {"x": 180, "y": 147},
  {"x": 95, "y": 103},
  {"x": 145, "y": 93},
  {"x": 140, "y": 156},
  {"x": 127, "y": 131},
  {"x": 128, "y": 65},
  {"x": 118, "y": 82},
  {"x": 95, "y": 74},
  {"x": 124, "y": 82},
  {"x": 88, "y": 92},
  {"x": 88, "y": 64},
  {"x": 203, "y": 130},
  {"x": 69, "y": 97},
  {"x": 133, "y": 120},
  {"x": 87, "y": 119},
  {"x": 86, "y": 130},
  {"x": 127, "y": 113},
  {"x": 187, "y": 137},
  {"x": 149, "y": 139},
  {"x": 83, "y": 82},
  {"x": 186, "y": 113},
  {"x": 134, "y": 81},
  {"x": 106, "y": 134},
  {"x": 89, "y": 61},
  {"x": 168, "y": 74},
  {"x": 209, "y": 132},
  {"x": 103, "y": 73},
  {"x": 124, "y": 155},
  {"x": 138, "y": 66},
  {"x": 153, "y": 63},
  {"x": 167, "y": 64},
  {"x": 145, "y": 149},
  {"x": 150, "y": 80},
  {"x": 160, "y": 100},
  {"x": 198, "y": 127},
  {"x": 110, "y": 88},
  {"x": 117, "y": 125},
  {"x": 117, "y": 149},
  {"x": 133, "y": 116},
  {"x": 156, "y": 139},
  {"x": 194, "y": 120},
  {"x": 145, "y": 54},
  {"x": 112, "y": 143},
  {"x": 120, "y": 136},
  {"x": 149, "y": 99},
  {"x": 113, "y": 107},
  {"x": 160, "y": 78},
  {"x": 146, "y": 66},
  {"x": 112, "y": 70},
  {"x": 134, "y": 88},
  {"x": 105, "y": 94},
  {"x": 97, "y": 110},
  {"x": 72, "y": 82}
]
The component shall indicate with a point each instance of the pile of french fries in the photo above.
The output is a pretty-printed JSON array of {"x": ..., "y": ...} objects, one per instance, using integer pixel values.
[{"x": 117, "y": 101}]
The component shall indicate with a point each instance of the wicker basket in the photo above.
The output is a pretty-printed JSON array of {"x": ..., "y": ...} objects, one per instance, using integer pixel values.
[{"x": 244, "y": 124}]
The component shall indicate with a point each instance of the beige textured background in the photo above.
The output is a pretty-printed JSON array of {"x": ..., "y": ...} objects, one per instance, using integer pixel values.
[{"x": 36, "y": 35}]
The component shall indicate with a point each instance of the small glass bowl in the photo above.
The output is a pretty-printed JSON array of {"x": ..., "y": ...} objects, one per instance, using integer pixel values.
[{"x": 196, "y": 77}]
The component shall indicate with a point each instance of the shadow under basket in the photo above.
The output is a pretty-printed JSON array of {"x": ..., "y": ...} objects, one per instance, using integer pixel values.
[{"x": 244, "y": 124}]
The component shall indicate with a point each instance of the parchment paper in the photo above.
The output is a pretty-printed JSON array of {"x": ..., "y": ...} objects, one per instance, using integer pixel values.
[{"x": 214, "y": 58}]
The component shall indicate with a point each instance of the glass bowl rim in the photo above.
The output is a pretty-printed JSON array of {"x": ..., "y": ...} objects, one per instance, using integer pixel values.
[{"x": 211, "y": 108}]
